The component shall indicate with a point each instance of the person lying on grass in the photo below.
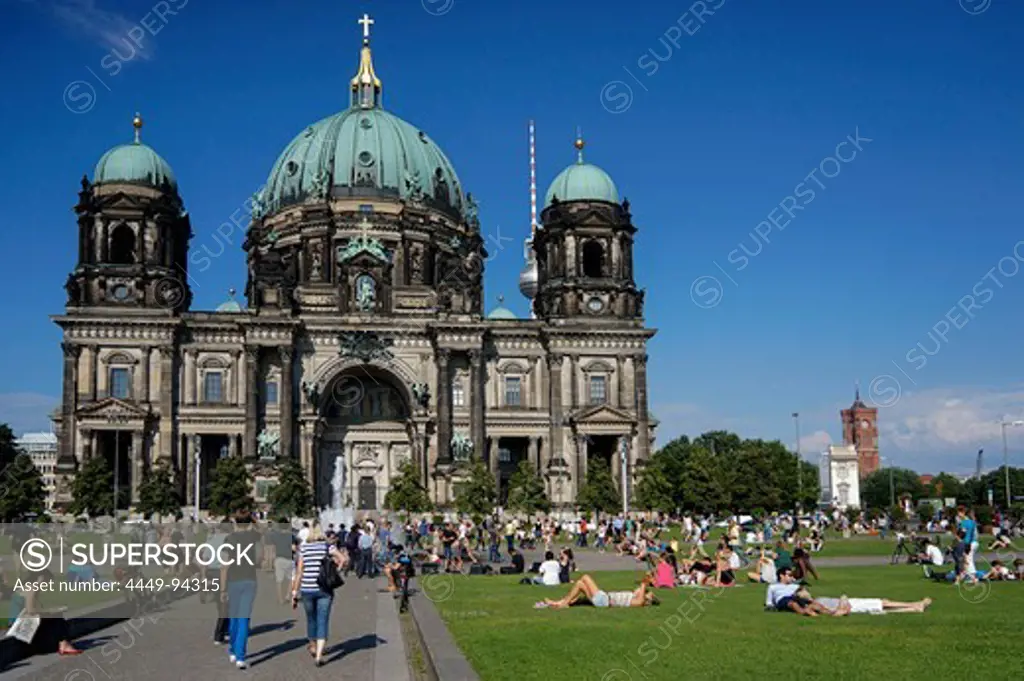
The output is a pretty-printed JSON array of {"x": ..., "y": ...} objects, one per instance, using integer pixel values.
[
  {"x": 999, "y": 573},
  {"x": 787, "y": 595},
  {"x": 1001, "y": 541},
  {"x": 586, "y": 592},
  {"x": 843, "y": 606}
]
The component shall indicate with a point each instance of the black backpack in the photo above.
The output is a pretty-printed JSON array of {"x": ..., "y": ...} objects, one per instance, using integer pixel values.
[{"x": 329, "y": 577}]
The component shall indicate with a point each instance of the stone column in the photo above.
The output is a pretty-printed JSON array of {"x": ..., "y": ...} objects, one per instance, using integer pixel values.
[
  {"x": 621, "y": 396},
  {"x": 477, "y": 402},
  {"x": 188, "y": 468},
  {"x": 582, "y": 452},
  {"x": 574, "y": 383},
  {"x": 167, "y": 404},
  {"x": 233, "y": 445},
  {"x": 541, "y": 400},
  {"x": 533, "y": 453},
  {"x": 147, "y": 355},
  {"x": 643, "y": 430},
  {"x": 555, "y": 386},
  {"x": 237, "y": 377},
  {"x": 252, "y": 358},
  {"x": 444, "y": 406},
  {"x": 94, "y": 362},
  {"x": 191, "y": 376},
  {"x": 66, "y": 457},
  {"x": 350, "y": 465},
  {"x": 87, "y": 444},
  {"x": 287, "y": 401},
  {"x": 492, "y": 454},
  {"x": 136, "y": 464}
]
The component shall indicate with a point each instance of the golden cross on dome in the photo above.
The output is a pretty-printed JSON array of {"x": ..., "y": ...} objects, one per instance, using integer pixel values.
[{"x": 366, "y": 21}]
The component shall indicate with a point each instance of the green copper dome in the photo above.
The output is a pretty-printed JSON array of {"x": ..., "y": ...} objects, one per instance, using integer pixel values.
[
  {"x": 134, "y": 163},
  {"x": 502, "y": 312},
  {"x": 230, "y": 305},
  {"x": 582, "y": 182},
  {"x": 363, "y": 152}
]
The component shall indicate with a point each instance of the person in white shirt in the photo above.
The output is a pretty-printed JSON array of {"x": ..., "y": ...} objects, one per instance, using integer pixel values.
[
  {"x": 932, "y": 554},
  {"x": 303, "y": 534},
  {"x": 548, "y": 573}
]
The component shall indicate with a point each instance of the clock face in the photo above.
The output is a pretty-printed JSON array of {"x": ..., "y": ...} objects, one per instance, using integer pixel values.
[
  {"x": 595, "y": 305},
  {"x": 865, "y": 424}
]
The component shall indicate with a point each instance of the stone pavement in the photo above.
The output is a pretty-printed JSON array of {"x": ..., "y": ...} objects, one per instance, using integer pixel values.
[{"x": 176, "y": 644}]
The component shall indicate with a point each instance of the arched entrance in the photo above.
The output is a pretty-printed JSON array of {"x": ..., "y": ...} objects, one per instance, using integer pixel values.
[{"x": 365, "y": 413}]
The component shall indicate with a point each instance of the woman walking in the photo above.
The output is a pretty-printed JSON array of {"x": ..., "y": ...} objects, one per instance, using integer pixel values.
[{"x": 317, "y": 594}]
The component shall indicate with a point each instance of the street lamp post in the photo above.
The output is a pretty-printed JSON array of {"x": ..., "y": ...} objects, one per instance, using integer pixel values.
[
  {"x": 1006, "y": 459},
  {"x": 799, "y": 463},
  {"x": 892, "y": 486}
]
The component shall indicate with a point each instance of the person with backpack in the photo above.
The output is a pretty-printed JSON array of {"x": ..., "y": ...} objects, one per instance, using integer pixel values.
[{"x": 317, "y": 575}]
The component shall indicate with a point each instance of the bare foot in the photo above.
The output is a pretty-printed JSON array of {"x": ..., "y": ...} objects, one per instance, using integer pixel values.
[{"x": 925, "y": 603}]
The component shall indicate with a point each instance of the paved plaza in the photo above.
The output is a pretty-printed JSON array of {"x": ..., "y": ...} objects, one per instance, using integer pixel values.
[{"x": 176, "y": 644}]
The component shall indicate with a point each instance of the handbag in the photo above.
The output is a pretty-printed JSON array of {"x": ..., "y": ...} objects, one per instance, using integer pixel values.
[{"x": 329, "y": 577}]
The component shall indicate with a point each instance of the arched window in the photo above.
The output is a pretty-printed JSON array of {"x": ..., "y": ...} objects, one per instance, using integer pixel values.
[
  {"x": 593, "y": 259},
  {"x": 122, "y": 245}
]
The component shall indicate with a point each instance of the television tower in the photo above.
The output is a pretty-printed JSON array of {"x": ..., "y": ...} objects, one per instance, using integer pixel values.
[{"x": 528, "y": 278}]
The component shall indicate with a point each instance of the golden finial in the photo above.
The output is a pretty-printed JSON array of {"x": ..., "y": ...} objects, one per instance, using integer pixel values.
[
  {"x": 231, "y": 292},
  {"x": 579, "y": 144},
  {"x": 366, "y": 86},
  {"x": 501, "y": 300},
  {"x": 137, "y": 124}
]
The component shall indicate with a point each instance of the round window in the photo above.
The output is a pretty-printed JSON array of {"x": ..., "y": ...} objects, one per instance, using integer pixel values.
[
  {"x": 120, "y": 292},
  {"x": 366, "y": 158},
  {"x": 291, "y": 167},
  {"x": 595, "y": 304},
  {"x": 365, "y": 123}
]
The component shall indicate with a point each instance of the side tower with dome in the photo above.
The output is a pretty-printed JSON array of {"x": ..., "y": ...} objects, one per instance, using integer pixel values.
[{"x": 361, "y": 343}]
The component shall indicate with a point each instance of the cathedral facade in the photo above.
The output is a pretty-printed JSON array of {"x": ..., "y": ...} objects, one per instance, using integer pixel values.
[{"x": 362, "y": 342}]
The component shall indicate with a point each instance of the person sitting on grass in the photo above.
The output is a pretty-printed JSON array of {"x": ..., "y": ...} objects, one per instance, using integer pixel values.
[
  {"x": 932, "y": 554},
  {"x": 586, "y": 592},
  {"x": 664, "y": 573},
  {"x": 787, "y": 595},
  {"x": 765, "y": 572},
  {"x": 843, "y": 606},
  {"x": 1001, "y": 541},
  {"x": 566, "y": 565},
  {"x": 518, "y": 562},
  {"x": 802, "y": 565},
  {"x": 547, "y": 575},
  {"x": 816, "y": 540}
]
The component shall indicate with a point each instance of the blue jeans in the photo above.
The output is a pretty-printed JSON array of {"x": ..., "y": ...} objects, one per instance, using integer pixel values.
[
  {"x": 366, "y": 563},
  {"x": 240, "y": 599},
  {"x": 318, "y": 613},
  {"x": 495, "y": 557}
]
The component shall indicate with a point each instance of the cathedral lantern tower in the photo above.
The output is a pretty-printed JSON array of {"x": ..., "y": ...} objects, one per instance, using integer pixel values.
[
  {"x": 133, "y": 235},
  {"x": 860, "y": 429},
  {"x": 584, "y": 249}
]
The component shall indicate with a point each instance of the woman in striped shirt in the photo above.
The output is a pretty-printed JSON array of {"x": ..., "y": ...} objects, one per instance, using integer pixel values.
[{"x": 315, "y": 600}]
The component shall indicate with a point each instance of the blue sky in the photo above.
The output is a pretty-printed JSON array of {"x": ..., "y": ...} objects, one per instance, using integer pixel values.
[{"x": 715, "y": 127}]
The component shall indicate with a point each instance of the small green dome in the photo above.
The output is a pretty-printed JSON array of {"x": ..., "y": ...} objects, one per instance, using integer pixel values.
[
  {"x": 134, "y": 163},
  {"x": 582, "y": 182},
  {"x": 230, "y": 305},
  {"x": 363, "y": 152},
  {"x": 502, "y": 312}
]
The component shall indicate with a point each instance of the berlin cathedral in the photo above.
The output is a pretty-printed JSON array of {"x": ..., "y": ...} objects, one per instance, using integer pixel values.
[{"x": 363, "y": 341}]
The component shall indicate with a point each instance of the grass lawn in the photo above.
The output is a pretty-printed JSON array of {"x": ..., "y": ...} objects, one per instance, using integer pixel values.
[{"x": 725, "y": 634}]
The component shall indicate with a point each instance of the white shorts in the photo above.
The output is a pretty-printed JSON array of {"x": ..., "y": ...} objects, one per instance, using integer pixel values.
[
  {"x": 969, "y": 567},
  {"x": 282, "y": 569},
  {"x": 866, "y": 606}
]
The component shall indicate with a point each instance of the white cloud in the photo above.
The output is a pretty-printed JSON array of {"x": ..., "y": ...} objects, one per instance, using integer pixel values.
[
  {"x": 814, "y": 443},
  {"x": 107, "y": 28},
  {"x": 26, "y": 412},
  {"x": 930, "y": 429}
]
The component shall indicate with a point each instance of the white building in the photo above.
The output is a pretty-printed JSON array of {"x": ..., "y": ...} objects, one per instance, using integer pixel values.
[
  {"x": 42, "y": 448},
  {"x": 840, "y": 479}
]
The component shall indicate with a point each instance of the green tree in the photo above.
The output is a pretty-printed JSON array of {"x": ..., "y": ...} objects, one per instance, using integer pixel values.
[
  {"x": 407, "y": 493},
  {"x": 598, "y": 492},
  {"x": 526, "y": 491},
  {"x": 945, "y": 485},
  {"x": 476, "y": 496},
  {"x": 705, "y": 483},
  {"x": 92, "y": 491},
  {"x": 875, "y": 489},
  {"x": 291, "y": 496},
  {"x": 655, "y": 489},
  {"x": 231, "y": 487},
  {"x": 158, "y": 495},
  {"x": 21, "y": 489}
]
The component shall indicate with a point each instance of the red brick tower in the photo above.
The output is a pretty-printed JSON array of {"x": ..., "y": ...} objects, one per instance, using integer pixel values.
[{"x": 860, "y": 429}]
